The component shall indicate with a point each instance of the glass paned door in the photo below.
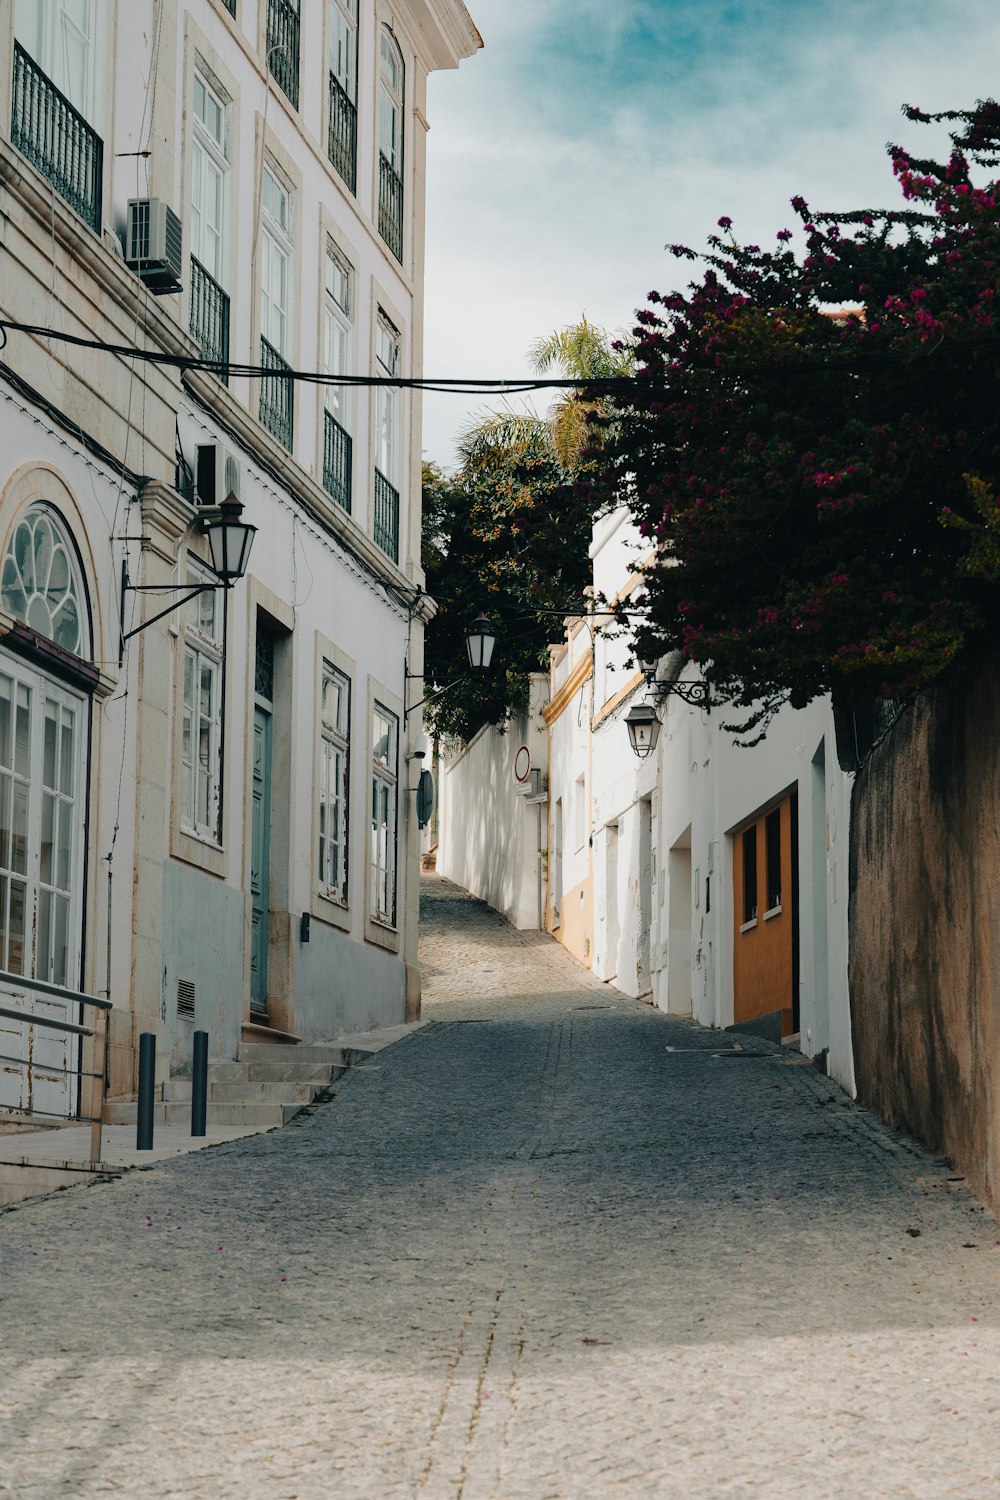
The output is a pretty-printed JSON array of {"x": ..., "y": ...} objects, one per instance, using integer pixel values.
[
  {"x": 42, "y": 809},
  {"x": 260, "y": 858}
]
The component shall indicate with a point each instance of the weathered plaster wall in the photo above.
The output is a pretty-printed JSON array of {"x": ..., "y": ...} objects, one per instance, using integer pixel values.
[
  {"x": 925, "y": 923},
  {"x": 345, "y": 986},
  {"x": 489, "y": 832}
]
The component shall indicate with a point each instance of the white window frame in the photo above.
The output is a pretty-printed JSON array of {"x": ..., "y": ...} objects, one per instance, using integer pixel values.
[
  {"x": 210, "y": 153},
  {"x": 38, "y": 29},
  {"x": 277, "y": 245},
  {"x": 69, "y": 805},
  {"x": 338, "y": 320},
  {"x": 391, "y": 103},
  {"x": 580, "y": 812},
  {"x": 384, "y": 825},
  {"x": 343, "y": 60},
  {"x": 204, "y": 650},
  {"x": 388, "y": 438},
  {"x": 334, "y": 788}
]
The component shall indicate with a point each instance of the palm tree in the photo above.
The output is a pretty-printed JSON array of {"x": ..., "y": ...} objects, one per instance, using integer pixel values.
[{"x": 580, "y": 351}]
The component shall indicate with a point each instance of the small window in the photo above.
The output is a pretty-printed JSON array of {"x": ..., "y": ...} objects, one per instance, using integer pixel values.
[
  {"x": 337, "y": 333},
  {"x": 387, "y": 421},
  {"x": 335, "y": 721},
  {"x": 201, "y": 719},
  {"x": 580, "y": 812},
  {"x": 40, "y": 586},
  {"x": 209, "y": 183},
  {"x": 750, "y": 874},
  {"x": 276, "y": 264},
  {"x": 385, "y": 734},
  {"x": 772, "y": 844}
]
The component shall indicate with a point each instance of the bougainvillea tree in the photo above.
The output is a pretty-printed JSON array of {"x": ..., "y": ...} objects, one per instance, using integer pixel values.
[{"x": 814, "y": 446}]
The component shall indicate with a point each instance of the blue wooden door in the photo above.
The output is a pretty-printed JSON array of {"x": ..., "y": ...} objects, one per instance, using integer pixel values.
[{"x": 260, "y": 857}]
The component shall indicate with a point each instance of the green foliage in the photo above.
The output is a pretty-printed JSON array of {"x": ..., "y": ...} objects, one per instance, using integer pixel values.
[
  {"x": 516, "y": 546},
  {"x": 816, "y": 454},
  {"x": 509, "y": 534}
]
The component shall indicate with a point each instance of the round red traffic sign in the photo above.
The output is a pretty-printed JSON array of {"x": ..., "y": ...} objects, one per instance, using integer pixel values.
[{"x": 522, "y": 763}]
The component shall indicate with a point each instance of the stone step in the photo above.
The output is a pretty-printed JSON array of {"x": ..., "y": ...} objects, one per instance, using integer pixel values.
[
  {"x": 316, "y": 1052},
  {"x": 243, "y": 1091},
  {"x": 259, "y": 1113},
  {"x": 292, "y": 1072},
  {"x": 271, "y": 1072}
]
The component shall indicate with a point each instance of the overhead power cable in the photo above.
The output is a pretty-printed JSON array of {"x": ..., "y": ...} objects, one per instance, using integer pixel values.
[
  {"x": 949, "y": 351},
  {"x": 231, "y": 368}
]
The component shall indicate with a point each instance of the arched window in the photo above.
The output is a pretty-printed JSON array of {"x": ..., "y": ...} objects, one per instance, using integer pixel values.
[
  {"x": 40, "y": 581},
  {"x": 390, "y": 121}
]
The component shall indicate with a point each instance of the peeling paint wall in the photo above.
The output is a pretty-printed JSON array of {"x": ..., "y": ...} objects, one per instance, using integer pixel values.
[{"x": 925, "y": 928}]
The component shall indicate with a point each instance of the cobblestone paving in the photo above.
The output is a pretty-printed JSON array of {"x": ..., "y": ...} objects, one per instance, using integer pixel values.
[{"x": 552, "y": 1246}]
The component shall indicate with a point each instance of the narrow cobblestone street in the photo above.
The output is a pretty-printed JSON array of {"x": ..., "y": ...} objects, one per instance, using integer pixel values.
[{"x": 553, "y": 1245}]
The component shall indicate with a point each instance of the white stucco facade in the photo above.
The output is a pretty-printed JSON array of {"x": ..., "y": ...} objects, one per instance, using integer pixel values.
[
  {"x": 492, "y": 814},
  {"x": 240, "y": 849}
]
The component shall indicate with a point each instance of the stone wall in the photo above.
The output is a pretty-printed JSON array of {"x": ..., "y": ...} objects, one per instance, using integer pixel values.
[{"x": 925, "y": 927}]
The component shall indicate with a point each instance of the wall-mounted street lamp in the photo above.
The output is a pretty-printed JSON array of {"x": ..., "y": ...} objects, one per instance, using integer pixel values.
[
  {"x": 643, "y": 728},
  {"x": 643, "y": 720},
  {"x": 480, "y": 638},
  {"x": 229, "y": 543}
]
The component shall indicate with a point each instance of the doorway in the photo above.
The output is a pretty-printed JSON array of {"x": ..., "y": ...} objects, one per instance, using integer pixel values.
[
  {"x": 260, "y": 820},
  {"x": 679, "y": 927}
]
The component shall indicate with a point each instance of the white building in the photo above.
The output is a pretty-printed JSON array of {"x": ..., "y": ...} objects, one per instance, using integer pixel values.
[
  {"x": 709, "y": 877},
  {"x": 211, "y": 826}
]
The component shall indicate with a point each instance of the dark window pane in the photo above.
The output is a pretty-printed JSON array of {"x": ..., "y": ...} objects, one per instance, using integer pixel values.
[
  {"x": 750, "y": 874},
  {"x": 772, "y": 833}
]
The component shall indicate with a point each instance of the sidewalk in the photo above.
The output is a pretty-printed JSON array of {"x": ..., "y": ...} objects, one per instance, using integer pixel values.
[{"x": 33, "y": 1162}]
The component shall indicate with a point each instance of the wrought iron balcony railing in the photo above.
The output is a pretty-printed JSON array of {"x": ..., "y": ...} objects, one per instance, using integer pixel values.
[
  {"x": 386, "y": 528},
  {"x": 337, "y": 451},
  {"x": 283, "y": 46},
  {"x": 55, "y": 138},
  {"x": 343, "y": 141},
  {"x": 210, "y": 318},
  {"x": 277, "y": 396},
  {"x": 390, "y": 206}
]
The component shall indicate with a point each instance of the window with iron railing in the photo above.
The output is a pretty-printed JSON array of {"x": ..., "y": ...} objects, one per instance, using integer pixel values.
[
  {"x": 55, "y": 138},
  {"x": 277, "y": 395},
  {"x": 342, "y": 145},
  {"x": 283, "y": 46},
  {"x": 390, "y": 125},
  {"x": 337, "y": 461},
  {"x": 386, "y": 525},
  {"x": 390, "y": 207},
  {"x": 210, "y": 318}
]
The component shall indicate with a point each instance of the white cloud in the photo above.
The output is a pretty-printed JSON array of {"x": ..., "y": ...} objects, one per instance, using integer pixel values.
[{"x": 586, "y": 136}]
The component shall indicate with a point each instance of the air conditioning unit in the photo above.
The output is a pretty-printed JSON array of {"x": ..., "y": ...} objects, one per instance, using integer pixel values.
[
  {"x": 154, "y": 245},
  {"x": 217, "y": 474}
]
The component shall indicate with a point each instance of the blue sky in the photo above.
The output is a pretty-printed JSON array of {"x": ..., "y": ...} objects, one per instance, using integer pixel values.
[{"x": 588, "y": 134}]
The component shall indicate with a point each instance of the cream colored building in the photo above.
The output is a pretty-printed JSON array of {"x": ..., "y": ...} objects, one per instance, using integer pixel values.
[{"x": 210, "y": 824}]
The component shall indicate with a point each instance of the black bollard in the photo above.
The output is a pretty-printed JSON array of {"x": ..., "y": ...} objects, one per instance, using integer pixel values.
[
  {"x": 199, "y": 1084},
  {"x": 147, "y": 1075}
]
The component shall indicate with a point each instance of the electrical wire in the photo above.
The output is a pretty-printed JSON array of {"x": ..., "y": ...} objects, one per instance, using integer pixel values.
[
  {"x": 492, "y": 386},
  {"x": 187, "y": 362}
]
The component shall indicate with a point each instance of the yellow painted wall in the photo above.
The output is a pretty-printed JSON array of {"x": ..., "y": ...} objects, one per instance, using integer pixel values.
[{"x": 577, "y": 920}]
